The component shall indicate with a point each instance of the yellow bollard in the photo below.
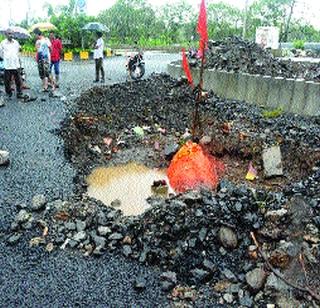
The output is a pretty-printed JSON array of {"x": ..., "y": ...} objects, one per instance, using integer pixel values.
[
  {"x": 108, "y": 52},
  {"x": 68, "y": 56},
  {"x": 84, "y": 55}
]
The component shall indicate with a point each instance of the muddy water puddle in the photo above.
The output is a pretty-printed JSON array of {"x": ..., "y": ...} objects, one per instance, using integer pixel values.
[{"x": 126, "y": 187}]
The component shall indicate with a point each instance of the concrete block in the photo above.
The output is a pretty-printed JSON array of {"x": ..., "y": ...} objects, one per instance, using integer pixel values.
[
  {"x": 219, "y": 83},
  {"x": 263, "y": 90},
  {"x": 209, "y": 80},
  {"x": 298, "y": 99},
  {"x": 252, "y": 89},
  {"x": 242, "y": 86},
  {"x": 232, "y": 87},
  {"x": 286, "y": 94},
  {"x": 273, "y": 94},
  {"x": 272, "y": 162},
  {"x": 312, "y": 103},
  {"x": 224, "y": 78}
]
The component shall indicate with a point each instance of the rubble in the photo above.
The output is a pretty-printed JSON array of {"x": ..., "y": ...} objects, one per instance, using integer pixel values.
[{"x": 234, "y": 54}]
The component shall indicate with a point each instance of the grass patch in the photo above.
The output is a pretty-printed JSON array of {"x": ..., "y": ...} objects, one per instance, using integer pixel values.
[{"x": 274, "y": 113}]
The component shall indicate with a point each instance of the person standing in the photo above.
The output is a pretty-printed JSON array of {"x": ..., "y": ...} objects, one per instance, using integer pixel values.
[
  {"x": 9, "y": 49},
  {"x": 56, "y": 50},
  {"x": 98, "y": 57},
  {"x": 43, "y": 46}
]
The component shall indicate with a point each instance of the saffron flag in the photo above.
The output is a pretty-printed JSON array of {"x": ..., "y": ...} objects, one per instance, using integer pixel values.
[
  {"x": 202, "y": 27},
  {"x": 186, "y": 67}
]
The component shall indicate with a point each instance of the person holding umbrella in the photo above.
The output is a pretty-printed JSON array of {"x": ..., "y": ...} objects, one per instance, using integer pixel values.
[
  {"x": 98, "y": 57},
  {"x": 9, "y": 49}
]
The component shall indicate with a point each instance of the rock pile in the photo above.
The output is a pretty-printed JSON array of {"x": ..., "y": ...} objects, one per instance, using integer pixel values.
[
  {"x": 237, "y": 55},
  {"x": 195, "y": 238}
]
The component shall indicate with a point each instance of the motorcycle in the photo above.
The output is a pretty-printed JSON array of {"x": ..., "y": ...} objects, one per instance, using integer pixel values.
[{"x": 136, "y": 65}]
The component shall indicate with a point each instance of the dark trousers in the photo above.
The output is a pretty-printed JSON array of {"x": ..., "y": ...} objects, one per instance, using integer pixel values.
[
  {"x": 99, "y": 67},
  {"x": 7, "y": 80}
]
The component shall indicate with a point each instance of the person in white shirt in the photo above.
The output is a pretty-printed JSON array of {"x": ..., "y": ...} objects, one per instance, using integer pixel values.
[
  {"x": 9, "y": 49},
  {"x": 43, "y": 46},
  {"x": 98, "y": 57}
]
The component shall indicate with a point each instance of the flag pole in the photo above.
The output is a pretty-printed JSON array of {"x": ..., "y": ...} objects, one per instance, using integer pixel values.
[{"x": 203, "y": 32}]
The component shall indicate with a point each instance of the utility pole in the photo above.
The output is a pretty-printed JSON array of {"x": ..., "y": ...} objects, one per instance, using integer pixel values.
[
  {"x": 245, "y": 21},
  {"x": 28, "y": 13}
]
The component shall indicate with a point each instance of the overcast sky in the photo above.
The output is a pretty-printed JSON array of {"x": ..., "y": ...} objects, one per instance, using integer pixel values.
[{"x": 309, "y": 9}]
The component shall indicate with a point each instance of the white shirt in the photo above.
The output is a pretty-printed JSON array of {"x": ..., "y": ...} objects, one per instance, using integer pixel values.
[
  {"x": 10, "y": 53},
  {"x": 43, "y": 50},
  {"x": 98, "y": 52}
]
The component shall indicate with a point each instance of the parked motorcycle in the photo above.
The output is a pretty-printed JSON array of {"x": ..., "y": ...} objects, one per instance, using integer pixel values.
[{"x": 136, "y": 65}]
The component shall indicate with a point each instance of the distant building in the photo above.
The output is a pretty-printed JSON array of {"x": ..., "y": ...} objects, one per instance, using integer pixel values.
[{"x": 268, "y": 37}]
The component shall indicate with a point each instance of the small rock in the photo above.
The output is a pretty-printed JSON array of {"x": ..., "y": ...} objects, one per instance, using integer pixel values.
[
  {"x": 71, "y": 226},
  {"x": 14, "y": 226},
  {"x": 205, "y": 140},
  {"x": 102, "y": 219},
  {"x": 246, "y": 301},
  {"x": 256, "y": 278},
  {"x": 276, "y": 215},
  {"x": 50, "y": 247},
  {"x": 116, "y": 237},
  {"x": 2, "y": 102},
  {"x": 103, "y": 231},
  {"x": 99, "y": 241},
  {"x": 4, "y": 158},
  {"x": 207, "y": 264},
  {"x": 38, "y": 203},
  {"x": 116, "y": 203},
  {"x": 22, "y": 217},
  {"x": 140, "y": 283},
  {"x": 228, "y": 238},
  {"x": 203, "y": 234},
  {"x": 81, "y": 225},
  {"x": 72, "y": 243},
  {"x": 170, "y": 149},
  {"x": 272, "y": 161},
  {"x": 228, "y": 298},
  {"x": 13, "y": 239},
  {"x": 167, "y": 285},
  {"x": 229, "y": 275},
  {"x": 169, "y": 276},
  {"x": 199, "y": 274},
  {"x": 275, "y": 284},
  {"x": 80, "y": 236},
  {"x": 98, "y": 251},
  {"x": 127, "y": 251}
]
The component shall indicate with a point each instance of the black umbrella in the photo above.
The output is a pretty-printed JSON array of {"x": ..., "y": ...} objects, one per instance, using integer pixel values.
[
  {"x": 18, "y": 32},
  {"x": 95, "y": 26}
]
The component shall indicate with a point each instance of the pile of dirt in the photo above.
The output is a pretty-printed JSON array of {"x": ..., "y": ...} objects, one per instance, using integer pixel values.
[
  {"x": 234, "y": 54},
  {"x": 101, "y": 129}
]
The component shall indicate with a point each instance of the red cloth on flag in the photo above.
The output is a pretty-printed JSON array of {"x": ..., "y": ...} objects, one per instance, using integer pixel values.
[
  {"x": 203, "y": 27},
  {"x": 186, "y": 67}
]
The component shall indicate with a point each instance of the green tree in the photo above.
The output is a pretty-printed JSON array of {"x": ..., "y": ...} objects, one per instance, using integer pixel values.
[
  {"x": 276, "y": 13},
  {"x": 130, "y": 21},
  {"x": 224, "y": 20}
]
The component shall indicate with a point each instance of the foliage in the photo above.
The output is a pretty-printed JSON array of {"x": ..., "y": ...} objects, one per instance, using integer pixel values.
[
  {"x": 269, "y": 114},
  {"x": 137, "y": 22},
  {"x": 298, "y": 44}
]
